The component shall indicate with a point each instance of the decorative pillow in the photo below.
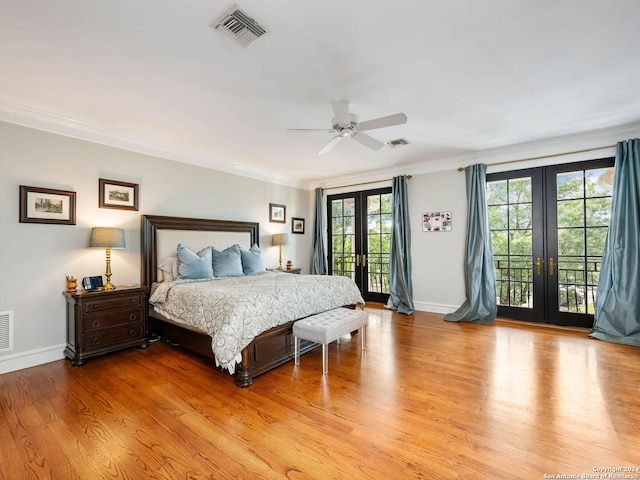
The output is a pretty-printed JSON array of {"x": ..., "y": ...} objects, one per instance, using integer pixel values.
[
  {"x": 227, "y": 263},
  {"x": 252, "y": 261},
  {"x": 194, "y": 266},
  {"x": 169, "y": 268}
]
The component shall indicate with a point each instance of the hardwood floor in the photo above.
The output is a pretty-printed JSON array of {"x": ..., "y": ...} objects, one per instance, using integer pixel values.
[{"x": 427, "y": 399}]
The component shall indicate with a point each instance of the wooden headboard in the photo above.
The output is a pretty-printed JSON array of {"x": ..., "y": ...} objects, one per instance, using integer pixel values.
[{"x": 160, "y": 233}]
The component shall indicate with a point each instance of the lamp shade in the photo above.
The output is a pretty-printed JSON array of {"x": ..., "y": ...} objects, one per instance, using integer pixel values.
[
  {"x": 280, "y": 239},
  {"x": 107, "y": 237}
]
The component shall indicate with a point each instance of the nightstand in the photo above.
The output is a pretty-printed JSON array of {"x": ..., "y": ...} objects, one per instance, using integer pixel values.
[
  {"x": 291, "y": 270},
  {"x": 100, "y": 322}
]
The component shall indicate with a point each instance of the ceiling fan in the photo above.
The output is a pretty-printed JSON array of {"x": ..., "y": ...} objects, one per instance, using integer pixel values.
[{"x": 346, "y": 125}]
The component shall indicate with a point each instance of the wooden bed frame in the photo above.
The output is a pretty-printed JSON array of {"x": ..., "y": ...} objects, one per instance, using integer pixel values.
[{"x": 267, "y": 351}]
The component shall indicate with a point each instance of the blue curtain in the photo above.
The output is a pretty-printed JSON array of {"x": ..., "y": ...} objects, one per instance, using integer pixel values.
[
  {"x": 617, "y": 312},
  {"x": 319, "y": 261},
  {"x": 400, "y": 285},
  {"x": 479, "y": 274}
]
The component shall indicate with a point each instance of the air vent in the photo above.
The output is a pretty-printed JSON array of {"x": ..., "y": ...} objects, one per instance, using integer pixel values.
[
  {"x": 400, "y": 142},
  {"x": 239, "y": 27},
  {"x": 6, "y": 331}
]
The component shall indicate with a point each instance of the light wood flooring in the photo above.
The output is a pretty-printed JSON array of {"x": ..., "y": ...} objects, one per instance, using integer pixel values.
[{"x": 427, "y": 399}]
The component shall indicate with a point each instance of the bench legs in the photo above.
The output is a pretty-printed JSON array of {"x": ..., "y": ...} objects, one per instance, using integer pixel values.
[{"x": 362, "y": 331}]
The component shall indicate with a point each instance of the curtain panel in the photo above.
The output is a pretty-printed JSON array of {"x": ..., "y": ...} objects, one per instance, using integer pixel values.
[
  {"x": 319, "y": 259},
  {"x": 479, "y": 273},
  {"x": 617, "y": 310},
  {"x": 400, "y": 283}
]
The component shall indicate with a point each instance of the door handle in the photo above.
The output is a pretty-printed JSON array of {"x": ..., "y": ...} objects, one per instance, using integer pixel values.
[
  {"x": 538, "y": 266},
  {"x": 551, "y": 266},
  {"x": 364, "y": 261},
  {"x": 357, "y": 260}
]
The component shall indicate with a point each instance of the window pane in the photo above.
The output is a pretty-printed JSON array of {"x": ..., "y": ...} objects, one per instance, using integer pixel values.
[
  {"x": 570, "y": 185},
  {"x": 571, "y": 213},
  {"x": 520, "y": 216},
  {"x": 571, "y": 241},
  {"x": 498, "y": 217},
  {"x": 598, "y": 211},
  {"x": 520, "y": 190},
  {"x": 497, "y": 193}
]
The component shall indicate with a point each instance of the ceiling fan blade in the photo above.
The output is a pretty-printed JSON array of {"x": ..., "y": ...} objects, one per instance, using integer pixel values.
[
  {"x": 331, "y": 144},
  {"x": 368, "y": 141},
  {"x": 389, "y": 120},
  {"x": 341, "y": 110},
  {"x": 307, "y": 130}
]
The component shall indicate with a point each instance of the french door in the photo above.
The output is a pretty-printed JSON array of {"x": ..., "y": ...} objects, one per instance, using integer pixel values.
[
  {"x": 548, "y": 228},
  {"x": 359, "y": 232}
]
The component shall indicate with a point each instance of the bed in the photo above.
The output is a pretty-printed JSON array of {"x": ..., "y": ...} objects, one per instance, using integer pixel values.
[{"x": 242, "y": 322}]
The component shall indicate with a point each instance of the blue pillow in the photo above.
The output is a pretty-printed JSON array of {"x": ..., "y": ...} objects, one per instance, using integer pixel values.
[
  {"x": 193, "y": 266},
  {"x": 227, "y": 263},
  {"x": 252, "y": 261}
]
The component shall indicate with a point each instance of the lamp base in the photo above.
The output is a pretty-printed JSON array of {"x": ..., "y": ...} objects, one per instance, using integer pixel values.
[{"x": 108, "y": 286}]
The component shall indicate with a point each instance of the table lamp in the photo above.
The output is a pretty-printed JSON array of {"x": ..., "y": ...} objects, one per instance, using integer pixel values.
[
  {"x": 278, "y": 240},
  {"x": 107, "y": 237}
]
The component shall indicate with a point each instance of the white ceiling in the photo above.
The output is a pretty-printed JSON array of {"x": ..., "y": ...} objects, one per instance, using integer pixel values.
[{"x": 471, "y": 76}]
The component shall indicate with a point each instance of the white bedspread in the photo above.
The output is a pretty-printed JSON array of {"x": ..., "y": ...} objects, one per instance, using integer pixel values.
[{"x": 234, "y": 310}]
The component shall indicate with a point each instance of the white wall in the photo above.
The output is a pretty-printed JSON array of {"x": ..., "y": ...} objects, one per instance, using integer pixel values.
[
  {"x": 36, "y": 257},
  {"x": 437, "y": 257}
]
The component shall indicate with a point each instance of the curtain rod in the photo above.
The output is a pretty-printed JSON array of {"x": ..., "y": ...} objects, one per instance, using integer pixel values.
[
  {"x": 462, "y": 169},
  {"x": 363, "y": 183}
]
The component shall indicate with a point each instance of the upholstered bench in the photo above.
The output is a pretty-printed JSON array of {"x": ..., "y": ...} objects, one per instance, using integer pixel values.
[{"x": 326, "y": 327}]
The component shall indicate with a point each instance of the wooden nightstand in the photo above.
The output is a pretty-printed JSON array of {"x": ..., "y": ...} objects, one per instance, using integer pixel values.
[
  {"x": 291, "y": 270},
  {"x": 101, "y": 322}
]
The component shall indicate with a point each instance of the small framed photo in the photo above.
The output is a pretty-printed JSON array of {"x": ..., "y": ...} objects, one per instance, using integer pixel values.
[
  {"x": 120, "y": 195},
  {"x": 436, "y": 222},
  {"x": 277, "y": 213},
  {"x": 297, "y": 225},
  {"x": 44, "y": 205}
]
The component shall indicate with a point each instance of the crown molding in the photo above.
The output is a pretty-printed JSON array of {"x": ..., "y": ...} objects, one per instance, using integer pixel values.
[
  {"x": 563, "y": 149},
  {"x": 38, "y": 119}
]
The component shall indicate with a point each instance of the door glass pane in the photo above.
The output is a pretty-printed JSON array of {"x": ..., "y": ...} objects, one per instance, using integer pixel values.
[
  {"x": 510, "y": 222},
  {"x": 378, "y": 242},
  {"x": 343, "y": 237},
  {"x": 583, "y": 209}
]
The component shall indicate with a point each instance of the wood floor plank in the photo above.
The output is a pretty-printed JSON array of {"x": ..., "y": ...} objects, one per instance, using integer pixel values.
[{"x": 426, "y": 399}]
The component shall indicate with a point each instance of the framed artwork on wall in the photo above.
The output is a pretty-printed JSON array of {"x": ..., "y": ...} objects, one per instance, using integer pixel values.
[
  {"x": 297, "y": 225},
  {"x": 45, "y": 205},
  {"x": 115, "y": 194},
  {"x": 277, "y": 213},
  {"x": 436, "y": 222}
]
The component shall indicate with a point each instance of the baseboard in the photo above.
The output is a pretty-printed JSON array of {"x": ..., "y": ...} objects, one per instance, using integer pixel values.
[
  {"x": 434, "y": 307},
  {"x": 32, "y": 358}
]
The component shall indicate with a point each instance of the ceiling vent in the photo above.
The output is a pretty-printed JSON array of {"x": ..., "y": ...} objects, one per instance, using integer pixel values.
[
  {"x": 400, "y": 142},
  {"x": 239, "y": 27}
]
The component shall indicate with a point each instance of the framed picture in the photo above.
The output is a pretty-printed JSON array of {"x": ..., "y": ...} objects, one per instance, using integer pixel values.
[
  {"x": 120, "y": 195},
  {"x": 44, "y": 205},
  {"x": 297, "y": 225},
  {"x": 277, "y": 213},
  {"x": 436, "y": 222}
]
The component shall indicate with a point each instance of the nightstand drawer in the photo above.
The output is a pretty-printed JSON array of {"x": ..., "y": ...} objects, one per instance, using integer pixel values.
[
  {"x": 113, "y": 336},
  {"x": 122, "y": 317},
  {"x": 101, "y": 304}
]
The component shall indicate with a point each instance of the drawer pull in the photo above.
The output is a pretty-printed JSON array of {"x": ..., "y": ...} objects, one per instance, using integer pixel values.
[
  {"x": 95, "y": 340},
  {"x": 132, "y": 316},
  {"x": 132, "y": 333},
  {"x": 133, "y": 300},
  {"x": 95, "y": 323},
  {"x": 95, "y": 305}
]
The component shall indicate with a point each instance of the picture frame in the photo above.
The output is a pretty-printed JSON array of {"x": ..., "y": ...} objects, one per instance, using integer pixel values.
[
  {"x": 119, "y": 195},
  {"x": 46, "y": 205},
  {"x": 277, "y": 213},
  {"x": 297, "y": 225},
  {"x": 436, "y": 222}
]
